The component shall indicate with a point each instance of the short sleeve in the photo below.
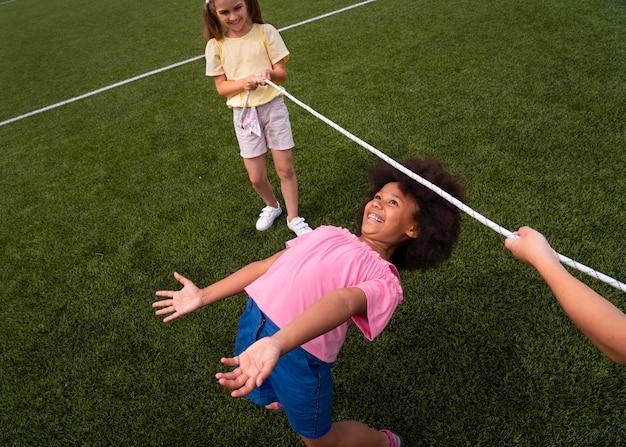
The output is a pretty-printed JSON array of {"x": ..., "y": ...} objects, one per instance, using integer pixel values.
[
  {"x": 276, "y": 48},
  {"x": 212, "y": 54},
  {"x": 383, "y": 297}
]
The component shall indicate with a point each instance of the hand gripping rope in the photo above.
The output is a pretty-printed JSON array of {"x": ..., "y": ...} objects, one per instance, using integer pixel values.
[{"x": 454, "y": 201}]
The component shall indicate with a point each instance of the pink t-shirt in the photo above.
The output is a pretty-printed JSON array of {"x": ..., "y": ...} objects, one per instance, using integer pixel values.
[{"x": 319, "y": 262}]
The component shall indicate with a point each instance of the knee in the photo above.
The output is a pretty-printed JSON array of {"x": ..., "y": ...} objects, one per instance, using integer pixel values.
[
  {"x": 258, "y": 181},
  {"x": 286, "y": 172},
  {"x": 257, "y": 177}
]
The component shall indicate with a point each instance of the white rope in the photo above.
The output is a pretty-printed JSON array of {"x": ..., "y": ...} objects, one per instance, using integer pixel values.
[
  {"x": 243, "y": 110},
  {"x": 454, "y": 201}
]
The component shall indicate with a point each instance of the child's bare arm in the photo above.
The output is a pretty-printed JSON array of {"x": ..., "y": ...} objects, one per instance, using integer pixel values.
[
  {"x": 258, "y": 361},
  {"x": 228, "y": 88},
  {"x": 327, "y": 313},
  {"x": 191, "y": 298},
  {"x": 602, "y": 322}
]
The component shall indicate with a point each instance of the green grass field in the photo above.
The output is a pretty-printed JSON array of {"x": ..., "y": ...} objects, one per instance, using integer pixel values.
[{"x": 103, "y": 198}]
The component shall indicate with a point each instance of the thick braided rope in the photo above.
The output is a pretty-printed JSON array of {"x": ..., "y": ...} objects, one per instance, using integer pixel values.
[{"x": 453, "y": 200}]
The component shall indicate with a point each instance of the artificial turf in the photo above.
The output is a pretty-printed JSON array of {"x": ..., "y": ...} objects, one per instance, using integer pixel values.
[{"x": 103, "y": 198}]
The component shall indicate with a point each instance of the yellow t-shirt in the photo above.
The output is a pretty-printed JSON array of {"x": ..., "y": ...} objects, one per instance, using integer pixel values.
[{"x": 237, "y": 58}]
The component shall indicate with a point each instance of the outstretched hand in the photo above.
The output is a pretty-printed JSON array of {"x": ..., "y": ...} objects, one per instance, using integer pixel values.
[
  {"x": 255, "y": 365},
  {"x": 181, "y": 301}
]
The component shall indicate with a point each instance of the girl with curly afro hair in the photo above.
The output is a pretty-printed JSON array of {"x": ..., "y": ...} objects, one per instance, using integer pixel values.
[
  {"x": 303, "y": 298},
  {"x": 438, "y": 221}
]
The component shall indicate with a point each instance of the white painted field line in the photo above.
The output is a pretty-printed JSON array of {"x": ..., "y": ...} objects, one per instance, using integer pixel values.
[
  {"x": 323, "y": 16},
  {"x": 100, "y": 90},
  {"x": 8, "y": 1},
  {"x": 160, "y": 70}
]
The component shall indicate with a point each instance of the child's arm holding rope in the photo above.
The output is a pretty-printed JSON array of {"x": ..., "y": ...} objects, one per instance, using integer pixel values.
[
  {"x": 228, "y": 88},
  {"x": 602, "y": 322}
]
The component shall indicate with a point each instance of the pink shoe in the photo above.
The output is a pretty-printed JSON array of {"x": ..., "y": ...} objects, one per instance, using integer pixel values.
[{"x": 395, "y": 440}]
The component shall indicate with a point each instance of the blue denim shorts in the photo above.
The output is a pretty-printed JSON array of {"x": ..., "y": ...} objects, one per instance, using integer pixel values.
[{"x": 300, "y": 382}]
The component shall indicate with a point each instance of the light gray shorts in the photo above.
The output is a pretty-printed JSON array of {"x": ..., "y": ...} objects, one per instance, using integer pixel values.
[{"x": 275, "y": 130}]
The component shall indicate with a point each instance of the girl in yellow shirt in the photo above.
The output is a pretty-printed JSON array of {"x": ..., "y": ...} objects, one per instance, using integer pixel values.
[{"x": 242, "y": 53}]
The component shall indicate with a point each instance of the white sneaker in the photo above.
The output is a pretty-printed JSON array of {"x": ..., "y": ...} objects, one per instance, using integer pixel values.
[
  {"x": 267, "y": 217},
  {"x": 298, "y": 226}
]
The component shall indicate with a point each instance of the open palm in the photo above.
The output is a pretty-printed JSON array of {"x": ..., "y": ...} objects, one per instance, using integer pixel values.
[
  {"x": 255, "y": 365},
  {"x": 181, "y": 301}
]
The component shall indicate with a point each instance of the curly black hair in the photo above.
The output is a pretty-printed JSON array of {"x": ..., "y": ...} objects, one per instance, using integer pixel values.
[{"x": 438, "y": 221}]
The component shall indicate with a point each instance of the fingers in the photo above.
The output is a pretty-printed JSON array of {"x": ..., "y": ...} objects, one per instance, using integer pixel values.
[
  {"x": 251, "y": 83},
  {"x": 165, "y": 310},
  {"x": 261, "y": 378},
  {"x": 244, "y": 390},
  {"x": 232, "y": 381},
  {"x": 230, "y": 361},
  {"x": 181, "y": 279},
  {"x": 166, "y": 307},
  {"x": 230, "y": 375},
  {"x": 240, "y": 383},
  {"x": 236, "y": 380},
  {"x": 162, "y": 303},
  {"x": 241, "y": 386},
  {"x": 168, "y": 293},
  {"x": 508, "y": 242}
]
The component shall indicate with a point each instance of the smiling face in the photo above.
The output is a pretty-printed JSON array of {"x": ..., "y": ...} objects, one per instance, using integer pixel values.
[
  {"x": 388, "y": 220},
  {"x": 233, "y": 14}
]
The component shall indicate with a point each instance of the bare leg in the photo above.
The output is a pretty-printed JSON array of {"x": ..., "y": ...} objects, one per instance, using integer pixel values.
[
  {"x": 283, "y": 163},
  {"x": 257, "y": 173},
  {"x": 350, "y": 434}
]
